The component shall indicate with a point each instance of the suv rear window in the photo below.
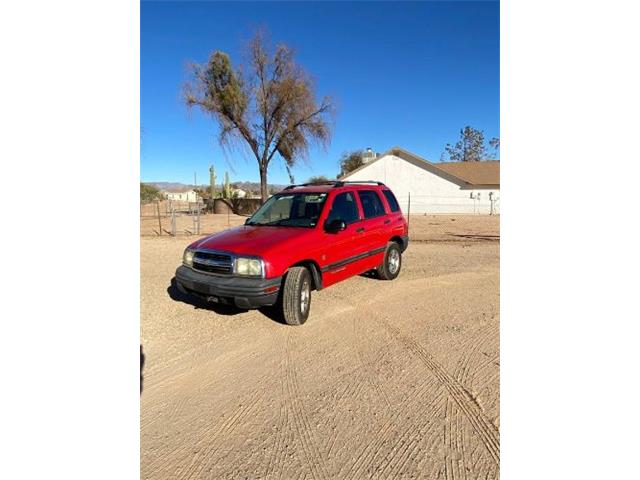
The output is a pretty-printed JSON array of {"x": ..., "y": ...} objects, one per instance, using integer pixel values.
[
  {"x": 391, "y": 200},
  {"x": 371, "y": 203}
]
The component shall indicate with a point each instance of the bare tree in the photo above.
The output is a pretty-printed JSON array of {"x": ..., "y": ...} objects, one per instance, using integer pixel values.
[{"x": 271, "y": 110}]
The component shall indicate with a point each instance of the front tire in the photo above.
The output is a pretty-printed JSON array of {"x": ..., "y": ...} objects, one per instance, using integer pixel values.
[
  {"x": 392, "y": 263},
  {"x": 296, "y": 296}
]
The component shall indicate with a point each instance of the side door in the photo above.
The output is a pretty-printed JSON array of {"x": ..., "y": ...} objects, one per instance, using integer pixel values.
[
  {"x": 340, "y": 247},
  {"x": 397, "y": 225},
  {"x": 372, "y": 228}
]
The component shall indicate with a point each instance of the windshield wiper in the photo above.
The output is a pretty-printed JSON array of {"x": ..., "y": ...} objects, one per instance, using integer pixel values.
[
  {"x": 282, "y": 222},
  {"x": 276, "y": 222},
  {"x": 267, "y": 224}
]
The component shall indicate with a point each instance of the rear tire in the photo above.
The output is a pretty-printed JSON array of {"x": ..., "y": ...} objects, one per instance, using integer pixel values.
[
  {"x": 392, "y": 262},
  {"x": 296, "y": 296}
]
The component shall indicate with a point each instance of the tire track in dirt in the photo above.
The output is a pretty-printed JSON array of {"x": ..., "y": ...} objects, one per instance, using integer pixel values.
[
  {"x": 161, "y": 462},
  {"x": 352, "y": 390},
  {"x": 371, "y": 375},
  {"x": 208, "y": 443},
  {"x": 275, "y": 459},
  {"x": 276, "y": 462},
  {"x": 452, "y": 437},
  {"x": 158, "y": 392},
  {"x": 166, "y": 373},
  {"x": 366, "y": 457},
  {"x": 455, "y": 454},
  {"x": 384, "y": 434},
  {"x": 455, "y": 463},
  {"x": 484, "y": 428},
  {"x": 489, "y": 362},
  {"x": 207, "y": 440},
  {"x": 412, "y": 438},
  {"x": 460, "y": 441},
  {"x": 451, "y": 465},
  {"x": 407, "y": 447},
  {"x": 315, "y": 459},
  {"x": 287, "y": 429},
  {"x": 455, "y": 436}
]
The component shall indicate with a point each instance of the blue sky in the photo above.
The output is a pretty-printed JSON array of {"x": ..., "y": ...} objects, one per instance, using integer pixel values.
[{"x": 408, "y": 74}]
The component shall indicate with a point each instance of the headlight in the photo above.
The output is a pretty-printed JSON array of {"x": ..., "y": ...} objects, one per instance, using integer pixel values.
[
  {"x": 249, "y": 266},
  {"x": 187, "y": 257}
]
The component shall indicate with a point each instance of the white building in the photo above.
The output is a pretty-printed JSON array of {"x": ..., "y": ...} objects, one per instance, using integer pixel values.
[
  {"x": 182, "y": 196},
  {"x": 368, "y": 155},
  {"x": 238, "y": 193},
  {"x": 446, "y": 187}
]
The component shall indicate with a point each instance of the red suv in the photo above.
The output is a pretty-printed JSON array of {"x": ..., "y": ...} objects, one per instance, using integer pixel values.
[{"x": 307, "y": 237}]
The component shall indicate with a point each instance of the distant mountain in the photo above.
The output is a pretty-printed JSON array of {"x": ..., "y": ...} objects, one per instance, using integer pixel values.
[
  {"x": 246, "y": 186},
  {"x": 255, "y": 186},
  {"x": 170, "y": 185}
]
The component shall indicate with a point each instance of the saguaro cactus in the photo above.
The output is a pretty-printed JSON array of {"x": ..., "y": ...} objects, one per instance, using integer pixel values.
[
  {"x": 212, "y": 181},
  {"x": 226, "y": 189}
]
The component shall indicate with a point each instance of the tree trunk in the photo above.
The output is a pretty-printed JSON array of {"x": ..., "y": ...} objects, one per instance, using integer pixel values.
[{"x": 264, "y": 192}]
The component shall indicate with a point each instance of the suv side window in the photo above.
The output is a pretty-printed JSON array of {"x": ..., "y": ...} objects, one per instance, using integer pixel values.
[
  {"x": 344, "y": 208},
  {"x": 371, "y": 203},
  {"x": 391, "y": 200}
]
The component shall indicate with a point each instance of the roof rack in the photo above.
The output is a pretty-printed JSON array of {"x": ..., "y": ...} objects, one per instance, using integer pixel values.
[
  {"x": 335, "y": 183},
  {"x": 362, "y": 181}
]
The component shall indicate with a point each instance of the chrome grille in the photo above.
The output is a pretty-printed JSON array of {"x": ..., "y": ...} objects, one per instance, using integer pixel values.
[{"x": 213, "y": 262}]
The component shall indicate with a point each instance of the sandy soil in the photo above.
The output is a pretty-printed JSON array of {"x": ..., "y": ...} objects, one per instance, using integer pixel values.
[{"x": 385, "y": 380}]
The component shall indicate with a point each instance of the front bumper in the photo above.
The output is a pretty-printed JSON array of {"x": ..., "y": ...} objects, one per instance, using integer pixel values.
[{"x": 242, "y": 292}]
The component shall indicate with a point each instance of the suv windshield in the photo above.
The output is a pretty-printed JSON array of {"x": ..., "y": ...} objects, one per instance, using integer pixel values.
[{"x": 290, "y": 210}]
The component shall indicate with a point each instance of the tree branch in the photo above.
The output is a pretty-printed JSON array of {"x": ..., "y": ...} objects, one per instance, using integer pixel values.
[{"x": 324, "y": 108}]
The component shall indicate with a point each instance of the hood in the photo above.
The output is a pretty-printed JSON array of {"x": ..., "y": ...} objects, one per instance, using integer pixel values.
[{"x": 253, "y": 240}]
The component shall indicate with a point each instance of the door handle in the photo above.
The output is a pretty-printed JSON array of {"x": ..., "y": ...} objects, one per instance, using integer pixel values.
[
  {"x": 360, "y": 230},
  {"x": 387, "y": 221}
]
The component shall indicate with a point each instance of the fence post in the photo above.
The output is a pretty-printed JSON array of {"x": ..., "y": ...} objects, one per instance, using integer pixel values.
[
  {"x": 159, "y": 220},
  {"x": 173, "y": 222},
  {"x": 196, "y": 219}
]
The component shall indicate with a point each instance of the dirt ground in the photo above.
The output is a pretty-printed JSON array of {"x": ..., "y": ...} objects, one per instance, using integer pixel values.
[{"x": 385, "y": 380}]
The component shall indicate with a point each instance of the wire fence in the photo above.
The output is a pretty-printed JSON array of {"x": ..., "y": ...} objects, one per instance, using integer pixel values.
[
  {"x": 177, "y": 218},
  {"x": 171, "y": 218},
  {"x": 475, "y": 204}
]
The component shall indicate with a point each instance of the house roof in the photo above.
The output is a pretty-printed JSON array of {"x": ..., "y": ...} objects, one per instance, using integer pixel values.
[{"x": 486, "y": 172}]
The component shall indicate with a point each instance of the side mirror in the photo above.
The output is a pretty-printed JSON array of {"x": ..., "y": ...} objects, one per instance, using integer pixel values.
[{"x": 335, "y": 226}]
